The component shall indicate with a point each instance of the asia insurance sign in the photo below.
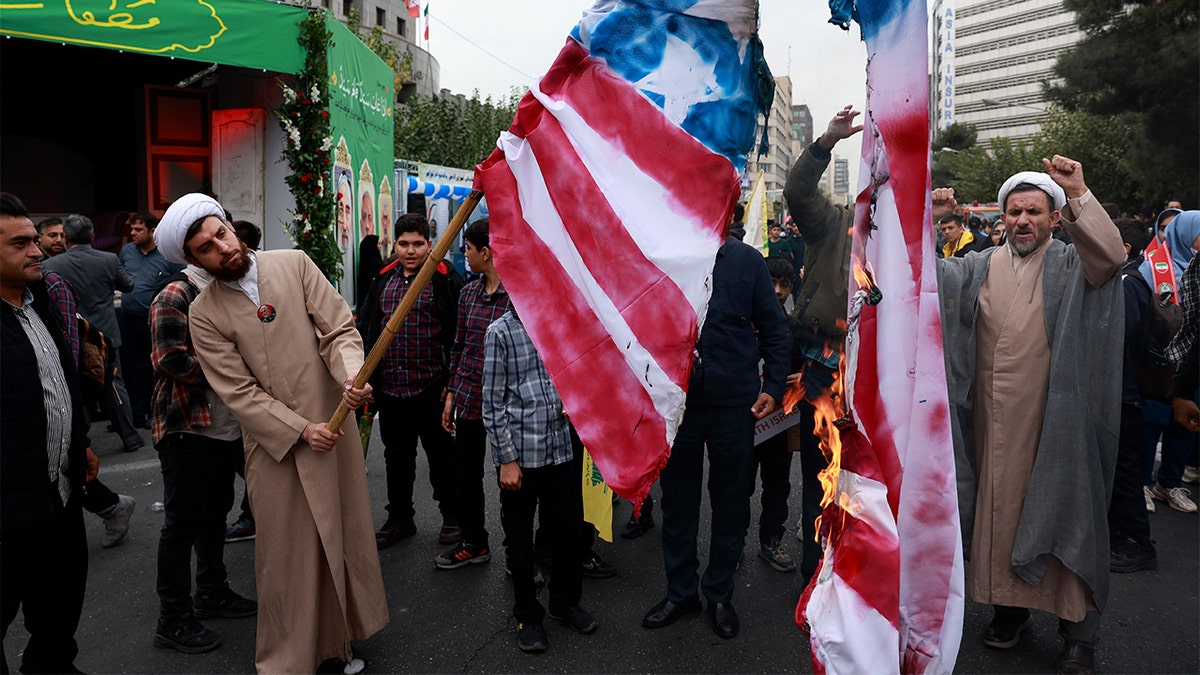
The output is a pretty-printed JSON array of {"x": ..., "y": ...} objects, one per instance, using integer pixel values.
[{"x": 945, "y": 85}]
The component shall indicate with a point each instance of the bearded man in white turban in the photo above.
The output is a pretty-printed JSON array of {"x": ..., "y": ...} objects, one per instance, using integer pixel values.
[
  {"x": 1033, "y": 338},
  {"x": 278, "y": 345}
]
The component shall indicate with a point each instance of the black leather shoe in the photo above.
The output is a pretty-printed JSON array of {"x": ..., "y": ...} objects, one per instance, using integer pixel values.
[
  {"x": 724, "y": 619},
  {"x": 1077, "y": 658},
  {"x": 666, "y": 612},
  {"x": 1006, "y": 627},
  {"x": 636, "y": 527}
]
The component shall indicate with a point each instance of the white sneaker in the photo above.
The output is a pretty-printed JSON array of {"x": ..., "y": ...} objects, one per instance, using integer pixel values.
[
  {"x": 354, "y": 666},
  {"x": 1179, "y": 498},
  {"x": 1191, "y": 475},
  {"x": 1149, "y": 498},
  {"x": 116, "y": 526}
]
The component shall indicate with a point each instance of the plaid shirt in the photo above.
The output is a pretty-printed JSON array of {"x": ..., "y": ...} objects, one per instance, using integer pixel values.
[
  {"x": 1189, "y": 300},
  {"x": 414, "y": 359},
  {"x": 522, "y": 411},
  {"x": 63, "y": 297},
  {"x": 476, "y": 311},
  {"x": 180, "y": 403}
]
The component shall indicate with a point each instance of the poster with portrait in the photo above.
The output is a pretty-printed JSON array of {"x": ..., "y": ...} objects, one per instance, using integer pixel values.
[
  {"x": 384, "y": 214},
  {"x": 366, "y": 202}
]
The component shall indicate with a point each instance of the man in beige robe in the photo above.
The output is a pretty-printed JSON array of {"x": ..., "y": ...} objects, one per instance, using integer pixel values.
[
  {"x": 1019, "y": 320},
  {"x": 278, "y": 345}
]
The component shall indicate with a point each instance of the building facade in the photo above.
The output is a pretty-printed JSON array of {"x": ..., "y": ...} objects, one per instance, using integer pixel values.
[
  {"x": 778, "y": 160},
  {"x": 990, "y": 61},
  {"x": 401, "y": 30}
]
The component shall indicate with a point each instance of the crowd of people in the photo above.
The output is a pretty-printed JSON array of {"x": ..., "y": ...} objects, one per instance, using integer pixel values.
[{"x": 1051, "y": 501}]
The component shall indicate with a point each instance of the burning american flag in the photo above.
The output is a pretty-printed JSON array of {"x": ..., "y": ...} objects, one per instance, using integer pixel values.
[{"x": 888, "y": 595}]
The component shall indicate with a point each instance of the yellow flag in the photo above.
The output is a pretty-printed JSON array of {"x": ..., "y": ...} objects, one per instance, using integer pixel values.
[{"x": 597, "y": 498}]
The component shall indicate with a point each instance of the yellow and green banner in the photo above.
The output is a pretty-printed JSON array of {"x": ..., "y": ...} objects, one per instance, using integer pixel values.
[{"x": 229, "y": 32}]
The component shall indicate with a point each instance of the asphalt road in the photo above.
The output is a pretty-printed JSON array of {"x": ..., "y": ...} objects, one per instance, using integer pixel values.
[{"x": 459, "y": 620}]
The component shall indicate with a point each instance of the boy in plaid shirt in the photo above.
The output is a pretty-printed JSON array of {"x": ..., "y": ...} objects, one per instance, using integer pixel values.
[
  {"x": 539, "y": 464},
  {"x": 481, "y": 302}
]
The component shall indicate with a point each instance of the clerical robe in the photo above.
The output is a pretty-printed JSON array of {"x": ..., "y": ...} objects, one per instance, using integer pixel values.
[
  {"x": 1034, "y": 370},
  {"x": 316, "y": 565}
]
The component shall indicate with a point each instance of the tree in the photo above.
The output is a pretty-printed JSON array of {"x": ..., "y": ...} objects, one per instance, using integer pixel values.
[
  {"x": 950, "y": 141},
  {"x": 1138, "y": 64},
  {"x": 452, "y": 131},
  {"x": 401, "y": 64}
]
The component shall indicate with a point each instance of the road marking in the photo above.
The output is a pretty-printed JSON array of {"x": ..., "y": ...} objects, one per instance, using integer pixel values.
[{"x": 128, "y": 467}]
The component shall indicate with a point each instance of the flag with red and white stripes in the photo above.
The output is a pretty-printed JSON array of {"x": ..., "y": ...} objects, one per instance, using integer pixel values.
[
  {"x": 607, "y": 201},
  {"x": 888, "y": 595},
  {"x": 414, "y": 8}
]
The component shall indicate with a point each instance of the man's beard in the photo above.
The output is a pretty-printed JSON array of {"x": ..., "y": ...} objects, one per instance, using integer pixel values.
[
  {"x": 1025, "y": 249},
  {"x": 241, "y": 265}
]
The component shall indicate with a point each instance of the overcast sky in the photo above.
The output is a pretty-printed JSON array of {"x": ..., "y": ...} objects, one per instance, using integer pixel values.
[{"x": 827, "y": 65}]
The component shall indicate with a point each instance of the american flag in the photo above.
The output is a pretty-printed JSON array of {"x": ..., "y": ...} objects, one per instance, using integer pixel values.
[
  {"x": 607, "y": 201},
  {"x": 888, "y": 595}
]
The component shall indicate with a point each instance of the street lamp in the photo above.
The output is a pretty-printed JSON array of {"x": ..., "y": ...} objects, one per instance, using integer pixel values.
[{"x": 995, "y": 102}]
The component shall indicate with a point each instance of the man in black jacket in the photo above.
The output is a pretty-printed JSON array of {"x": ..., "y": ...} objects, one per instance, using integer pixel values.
[
  {"x": 410, "y": 382},
  {"x": 43, "y": 441},
  {"x": 726, "y": 397}
]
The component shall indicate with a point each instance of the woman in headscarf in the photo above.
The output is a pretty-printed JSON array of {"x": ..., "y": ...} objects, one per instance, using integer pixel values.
[
  {"x": 369, "y": 264},
  {"x": 1182, "y": 238}
]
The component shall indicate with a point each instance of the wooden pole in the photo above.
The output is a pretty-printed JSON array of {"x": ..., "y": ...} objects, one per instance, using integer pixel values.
[{"x": 410, "y": 298}]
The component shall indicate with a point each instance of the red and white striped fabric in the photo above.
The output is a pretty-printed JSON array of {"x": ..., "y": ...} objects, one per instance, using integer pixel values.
[
  {"x": 605, "y": 220},
  {"x": 888, "y": 595}
]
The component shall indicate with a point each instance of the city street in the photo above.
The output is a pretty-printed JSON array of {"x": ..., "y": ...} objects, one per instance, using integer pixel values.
[{"x": 458, "y": 621}]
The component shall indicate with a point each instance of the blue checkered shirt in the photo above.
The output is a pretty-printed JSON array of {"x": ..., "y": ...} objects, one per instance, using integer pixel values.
[{"x": 522, "y": 411}]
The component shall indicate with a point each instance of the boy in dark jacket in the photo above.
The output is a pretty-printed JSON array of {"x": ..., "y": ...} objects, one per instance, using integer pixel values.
[{"x": 411, "y": 379}]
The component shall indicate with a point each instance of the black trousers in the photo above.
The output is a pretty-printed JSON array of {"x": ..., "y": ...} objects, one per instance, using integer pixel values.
[
  {"x": 1127, "y": 517},
  {"x": 557, "y": 493},
  {"x": 135, "y": 360},
  {"x": 43, "y": 572},
  {"x": 197, "y": 493},
  {"x": 401, "y": 422},
  {"x": 97, "y": 497},
  {"x": 729, "y": 435},
  {"x": 773, "y": 460},
  {"x": 812, "y": 463},
  {"x": 470, "y": 448}
]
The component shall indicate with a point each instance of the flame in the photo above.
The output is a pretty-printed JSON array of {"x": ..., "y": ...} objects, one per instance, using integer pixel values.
[
  {"x": 828, "y": 408},
  {"x": 864, "y": 274}
]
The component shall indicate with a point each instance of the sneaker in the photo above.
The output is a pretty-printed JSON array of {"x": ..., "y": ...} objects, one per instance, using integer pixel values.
[
  {"x": 1191, "y": 475},
  {"x": 116, "y": 526},
  {"x": 531, "y": 637},
  {"x": 1128, "y": 556},
  {"x": 241, "y": 530},
  {"x": 576, "y": 618},
  {"x": 1149, "y": 498},
  {"x": 462, "y": 554},
  {"x": 185, "y": 635},
  {"x": 451, "y": 533},
  {"x": 539, "y": 581},
  {"x": 223, "y": 603},
  {"x": 777, "y": 556},
  {"x": 336, "y": 666},
  {"x": 1179, "y": 498},
  {"x": 392, "y": 532},
  {"x": 596, "y": 567}
]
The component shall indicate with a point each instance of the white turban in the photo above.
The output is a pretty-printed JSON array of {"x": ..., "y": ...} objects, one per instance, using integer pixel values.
[
  {"x": 1036, "y": 178},
  {"x": 172, "y": 229}
]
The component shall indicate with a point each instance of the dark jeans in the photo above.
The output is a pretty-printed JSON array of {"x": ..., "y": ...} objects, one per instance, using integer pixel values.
[
  {"x": 135, "y": 358},
  {"x": 401, "y": 422},
  {"x": 556, "y": 492},
  {"x": 1177, "y": 445},
  {"x": 729, "y": 434},
  {"x": 470, "y": 447},
  {"x": 43, "y": 572},
  {"x": 115, "y": 404},
  {"x": 197, "y": 493},
  {"x": 97, "y": 498},
  {"x": 773, "y": 462},
  {"x": 812, "y": 463},
  {"x": 240, "y": 469},
  {"x": 1127, "y": 516}
]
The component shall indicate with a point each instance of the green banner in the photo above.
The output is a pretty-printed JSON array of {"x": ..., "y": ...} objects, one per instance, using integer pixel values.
[
  {"x": 248, "y": 33},
  {"x": 361, "y": 100}
]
